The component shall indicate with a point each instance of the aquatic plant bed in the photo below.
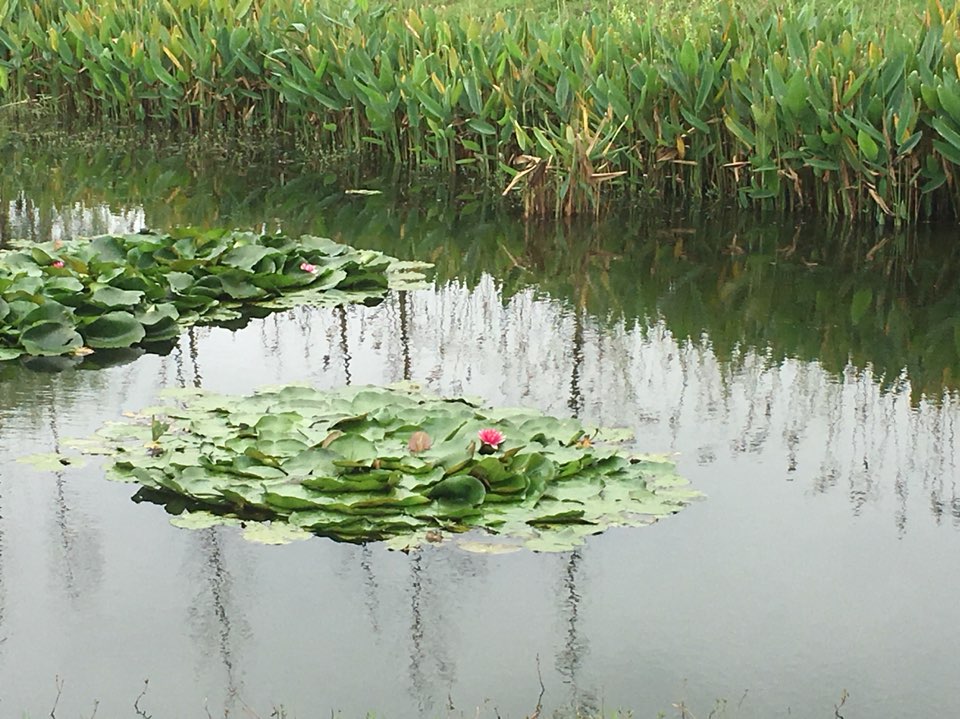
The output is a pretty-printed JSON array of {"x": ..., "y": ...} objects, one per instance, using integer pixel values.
[
  {"x": 800, "y": 104},
  {"x": 365, "y": 463},
  {"x": 117, "y": 291}
]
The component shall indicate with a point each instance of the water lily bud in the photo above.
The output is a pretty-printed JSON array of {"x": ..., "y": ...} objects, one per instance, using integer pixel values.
[{"x": 419, "y": 441}]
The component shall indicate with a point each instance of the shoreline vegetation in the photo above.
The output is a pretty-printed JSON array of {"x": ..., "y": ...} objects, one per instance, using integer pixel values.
[{"x": 847, "y": 109}]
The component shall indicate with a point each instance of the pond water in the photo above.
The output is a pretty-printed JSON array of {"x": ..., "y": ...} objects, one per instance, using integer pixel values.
[{"x": 810, "y": 393}]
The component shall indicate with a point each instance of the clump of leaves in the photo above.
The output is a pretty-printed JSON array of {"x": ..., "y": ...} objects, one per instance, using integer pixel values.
[
  {"x": 365, "y": 463},
  {"x": 116, "y": 291}
]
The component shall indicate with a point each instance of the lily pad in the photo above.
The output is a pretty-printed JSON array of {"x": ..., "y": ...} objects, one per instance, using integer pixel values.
[
  {"x": 116, "y": 291},
  {"x": 53, "y": 461},
  {"x": 114, "y": 329},
  {"x": 202, "y": 520},
  {"x": 50, "y": 338},
  {"x": 274, "y": 533},
  {"x": 340, "y": 464},
  {"x": 112, "y": 297},
  {"x": 488, "y": 547}
]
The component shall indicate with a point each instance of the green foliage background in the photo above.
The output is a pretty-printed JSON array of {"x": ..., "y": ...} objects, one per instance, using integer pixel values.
[{"x": 850, "y": 108}]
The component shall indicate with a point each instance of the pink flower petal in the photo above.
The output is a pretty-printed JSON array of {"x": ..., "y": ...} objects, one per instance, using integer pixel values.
[
  {"x": 307, "y": 267},
  {"x": 490, "y": 436},
  {"x": 57, "y": 263}
]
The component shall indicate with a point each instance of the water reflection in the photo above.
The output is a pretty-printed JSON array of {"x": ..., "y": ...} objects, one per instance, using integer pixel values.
[
  {"x": 870, "y": 296},
  {"x": 79, "y": 561},
  {"x": 431, "y": 666},
  {"x": 213, "y": 613},
  {"x": 22, "y": 218},
  {"x": 344, "y": 349},
  {"x": 816, "y": 404},
  {"x": 217, "y": 618},
  {"x": 855, "y": 432},
  {"x": 370, "y": 588},
  {"x": 575, "y": 648},
  {"x": 833, "y": 432},
  {"x": 850, "y": 437},
  {"x": 3, "y": 573},
  {"x": 418, "y": 656}
]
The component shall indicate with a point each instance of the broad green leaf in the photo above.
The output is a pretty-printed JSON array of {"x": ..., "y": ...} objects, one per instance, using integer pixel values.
[
  {"x": 114, "y": 329},
  {"x": 461, "y": 488},
  {"x": 111, "y": 298},
  {"x": 274, "y": 533},
  {"x": 50, "y": 338},
  {"x": 868, "y": 147},
  {"x": 200, "y": 519},
  {"x": 245, "y": 256},
  {"x": 53, "y": 462},
  {"x": 354, "y": 449},
  {"x": 481, "y": 547}
]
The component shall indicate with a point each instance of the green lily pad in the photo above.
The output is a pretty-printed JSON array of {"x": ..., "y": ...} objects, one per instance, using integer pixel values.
[
  {"x": 53, "y": 461},
  {"x": 112, "y": 298},
  {"x": 114, "y": 329},
  {"x": 245, "y": 257},
  {"x": 475, "y": 547},
  {"x": 355, "y": 450},
  {"x": 461, "y": 488},
  {"x": 50, "y": 338},
  {"x": 200, "y": 519},
  {"x": 49, "y": 311},
  {"x": 274, "y": 533},
  {"x": 339, "y": 464},
  {"x": 119, "y": 290}
]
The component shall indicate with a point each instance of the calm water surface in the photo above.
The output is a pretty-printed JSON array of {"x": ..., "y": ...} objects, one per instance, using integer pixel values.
[{"x": 824, "y": 434}]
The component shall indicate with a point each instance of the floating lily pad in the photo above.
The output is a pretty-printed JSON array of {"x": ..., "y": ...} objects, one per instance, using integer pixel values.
[
  {"x": 488, "y": 547},
  {"x": 202, "y": 520},
  {"x": 274, "y": 533},
  {"x": 365, "y": 463},
  {"x": 116, "y": 291},
  {"x": 53, "y": 462},
  {"x": 50, "y": 338}
]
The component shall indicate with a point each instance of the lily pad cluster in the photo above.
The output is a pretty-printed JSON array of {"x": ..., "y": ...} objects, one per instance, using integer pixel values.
[
  {"x": 365, "y": 463},
  {"x": 116, "y": 291}
]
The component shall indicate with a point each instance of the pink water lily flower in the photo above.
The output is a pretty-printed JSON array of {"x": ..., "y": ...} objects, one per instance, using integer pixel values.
[
  {"x": 490, "y": 437},
  {"x": 307, "y": 267},
  {"x": 57, "y": 263}
]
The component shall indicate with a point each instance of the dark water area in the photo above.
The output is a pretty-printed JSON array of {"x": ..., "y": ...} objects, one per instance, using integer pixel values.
[{"x": 805, "y": 376}]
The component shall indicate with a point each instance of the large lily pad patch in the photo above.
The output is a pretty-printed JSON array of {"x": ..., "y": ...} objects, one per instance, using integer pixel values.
[
  {"x": 116, "y": 291},
  {"x": 364, "y": 463}
]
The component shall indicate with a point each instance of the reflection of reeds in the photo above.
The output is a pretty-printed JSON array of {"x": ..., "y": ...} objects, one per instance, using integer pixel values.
[
  {"x": 3, "y": 578},
  {"x": 214, "y": 611},
  {"x": 78, "y": 551},
  {"x": 574, "y": 646},
  {"x": 432, "y": 671},
  {"x": 810, "y": 290}
]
